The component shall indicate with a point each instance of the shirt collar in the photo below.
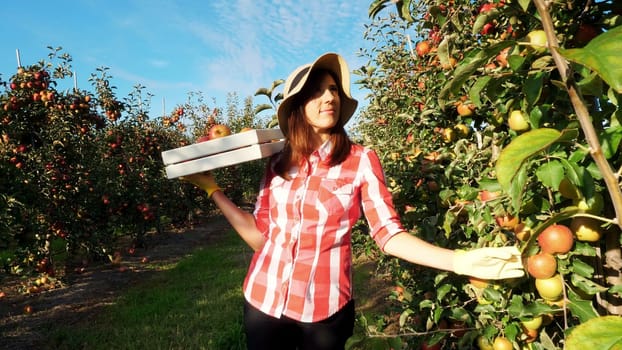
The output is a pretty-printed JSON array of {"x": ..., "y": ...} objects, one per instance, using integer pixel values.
[{"x": 324, "y": 151}]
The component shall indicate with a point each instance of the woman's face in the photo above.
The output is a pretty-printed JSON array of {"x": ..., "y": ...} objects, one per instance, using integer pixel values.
[{"x": 322, "y": 108}]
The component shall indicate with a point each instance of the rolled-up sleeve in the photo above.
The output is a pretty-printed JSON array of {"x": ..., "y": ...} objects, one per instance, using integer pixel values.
[{"x": 377, "y": 201}]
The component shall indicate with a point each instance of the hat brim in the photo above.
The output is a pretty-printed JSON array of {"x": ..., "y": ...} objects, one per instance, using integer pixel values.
[{"x": 298, "y": 79}]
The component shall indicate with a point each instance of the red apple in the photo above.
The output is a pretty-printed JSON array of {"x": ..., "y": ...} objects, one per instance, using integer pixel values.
[
  {"x": 542, "y": 265},
  {"x": 485, "y": 195},
  {"x": 507, "y": 221},
  {"x": 556, "y": 239},
  {"x": 218, "y": 130},
  {"x": 422, "y": 48},
  {"x": 203, "y": 138}
]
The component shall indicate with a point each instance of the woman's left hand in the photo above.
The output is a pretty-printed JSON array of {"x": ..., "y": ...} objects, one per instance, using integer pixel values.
[{"x": 489, "y": 263}]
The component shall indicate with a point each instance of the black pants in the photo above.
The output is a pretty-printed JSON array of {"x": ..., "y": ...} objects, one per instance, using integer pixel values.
[{"x": 264, "y": 332}]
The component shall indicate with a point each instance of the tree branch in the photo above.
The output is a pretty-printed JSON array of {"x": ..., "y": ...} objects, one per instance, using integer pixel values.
[{"x": 609, "y": 176}]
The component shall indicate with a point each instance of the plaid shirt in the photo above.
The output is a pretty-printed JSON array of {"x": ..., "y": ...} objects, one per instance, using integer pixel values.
[{"x": 304, "y": 269}]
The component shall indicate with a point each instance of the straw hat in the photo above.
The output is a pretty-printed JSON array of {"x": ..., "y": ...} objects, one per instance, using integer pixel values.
[{"x": 298, "y": 79}]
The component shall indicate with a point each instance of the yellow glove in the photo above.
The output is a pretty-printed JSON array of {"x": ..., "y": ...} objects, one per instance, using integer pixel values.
[
  {"x": 489, "y": 263},
  {"x": 204, "y": 181}
]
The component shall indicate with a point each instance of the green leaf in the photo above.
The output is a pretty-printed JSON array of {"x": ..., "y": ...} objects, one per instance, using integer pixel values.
[
  {"x": 275, "y": 84},
  {"x": 443, "y": 290},
  {"x": 262, "y": 107},
  {"x": 524, "y": 4},
  {"x": 512, "y": 331},
  {"x": 443, "y": 49},
  {"x": 551, "y": 173},
  {"x": 592, "y": 85},
  {"x": 404, "y": 316},
  {"x": 602, "y": 55},
  {"x": 537, "y": 114},
  {"x": 519, "y": 150},
  {"x": 616, "y": 289},
  {"x": 587, "y": 285},
  {"x": 376, "y": 7},
  {"x": 468, "y": 66},
  {"x": 262, "y": 91},
  {"x": 568, "y": 135},
  {"x": 450, "y": 219},
  {"x": 516, "y": 190},
  {"x": 582, "y": 268},
  {"x": 582, "y": 309},
  {"x": 584, "y": 248},
  {"x": 395, "y": 343},
  {"x": 532, "y": 88},
  {"x": 517, "y": 309},
  {"x": 611, "y": 140},
  {"x": 598, "y": 333},
  {"x": 477, "y": 88},
  {"x": 515, "y": 62},
  {"x": 404, "y": 11}
]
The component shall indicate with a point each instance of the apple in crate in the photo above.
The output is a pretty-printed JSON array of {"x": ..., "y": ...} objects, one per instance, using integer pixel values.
[
  {"x": 218, "y": 130},
  {"x": 203, "y": 138}
]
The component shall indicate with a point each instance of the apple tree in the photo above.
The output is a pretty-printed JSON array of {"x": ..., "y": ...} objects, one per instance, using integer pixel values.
[
  {"x": 82, "y": 169},
  {"x": 495, "y": 121}
]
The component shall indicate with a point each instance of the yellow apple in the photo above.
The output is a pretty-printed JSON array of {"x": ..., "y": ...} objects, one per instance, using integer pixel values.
[
  {"x": 586, "y": 229},
  {"x": 502, "y": 343},
  {"x": 517, "y": 121},
  {"x": 463, "y": 130},
  {"x": 552, "y": 288},
  {"x": 449, "y": 135}
]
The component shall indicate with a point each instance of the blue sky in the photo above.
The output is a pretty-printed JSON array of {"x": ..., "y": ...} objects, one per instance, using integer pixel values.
[{"x": 173, "y": 47}]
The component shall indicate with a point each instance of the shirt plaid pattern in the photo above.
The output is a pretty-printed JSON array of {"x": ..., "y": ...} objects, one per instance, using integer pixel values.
[{"x": 303, "y": 270}]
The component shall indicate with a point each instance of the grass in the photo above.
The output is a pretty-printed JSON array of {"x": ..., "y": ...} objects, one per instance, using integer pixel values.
[{"x": 197, "y": 304}]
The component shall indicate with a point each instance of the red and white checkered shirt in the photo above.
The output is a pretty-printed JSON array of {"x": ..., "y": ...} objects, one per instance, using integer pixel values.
[{"x": 303, "y": 270}]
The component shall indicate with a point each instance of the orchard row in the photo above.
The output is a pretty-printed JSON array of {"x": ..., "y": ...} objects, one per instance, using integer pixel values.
[{"x": 84, "y": 169}]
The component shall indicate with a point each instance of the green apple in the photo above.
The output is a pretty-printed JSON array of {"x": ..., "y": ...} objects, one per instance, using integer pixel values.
[
  {"x": 533, "y": 323},
  {"x": 537, "y": 40}
]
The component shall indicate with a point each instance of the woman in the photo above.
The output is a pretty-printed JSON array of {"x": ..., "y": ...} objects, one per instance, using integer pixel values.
[{"x": 298, "y": 290}]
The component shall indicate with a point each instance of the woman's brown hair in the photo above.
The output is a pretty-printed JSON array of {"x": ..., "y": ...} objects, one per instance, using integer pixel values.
[{"x": 298, "y": 145}]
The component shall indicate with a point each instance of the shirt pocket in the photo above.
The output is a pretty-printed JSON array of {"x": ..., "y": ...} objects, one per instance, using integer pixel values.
[{"x": 335, "y": 195}]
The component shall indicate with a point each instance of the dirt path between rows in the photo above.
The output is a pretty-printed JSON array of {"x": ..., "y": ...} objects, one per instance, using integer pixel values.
[{"x": 83, "y": 295}]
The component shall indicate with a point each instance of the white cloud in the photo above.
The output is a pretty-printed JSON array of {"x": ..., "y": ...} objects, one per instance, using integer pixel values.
[{"x": 252, "y": 43}]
